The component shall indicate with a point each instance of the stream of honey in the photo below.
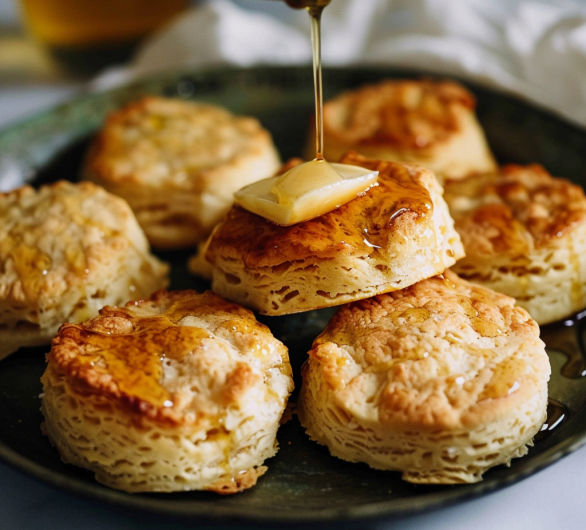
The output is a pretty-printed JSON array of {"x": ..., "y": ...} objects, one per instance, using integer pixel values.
[{"x": 316, "y": 187}]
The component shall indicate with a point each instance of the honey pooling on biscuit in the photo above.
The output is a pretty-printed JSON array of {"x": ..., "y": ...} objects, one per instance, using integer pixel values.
[{"x": 182, "y": 391}]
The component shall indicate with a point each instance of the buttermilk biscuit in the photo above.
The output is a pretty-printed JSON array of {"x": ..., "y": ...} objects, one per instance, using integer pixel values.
[
  {"x": 197, "y": 264},
  {"x": 178, "y": 163},
  {"x": 425, "y": 122},
  {"x": 179, "y": 392},
  {"x": 66, "y": 251},
  {"x": 524, "y": 233},
  {"x": 440, "y": 381},
  {"x": 396, "y": 234}
]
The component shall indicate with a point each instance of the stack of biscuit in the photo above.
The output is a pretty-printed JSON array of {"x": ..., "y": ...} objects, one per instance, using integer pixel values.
[
  {"x": 421, "y": 371},
  {"x": 173, "y": 391}
]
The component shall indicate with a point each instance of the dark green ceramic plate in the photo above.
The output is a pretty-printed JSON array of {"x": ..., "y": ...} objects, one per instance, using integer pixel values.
[{"x": 304, "y": 483}]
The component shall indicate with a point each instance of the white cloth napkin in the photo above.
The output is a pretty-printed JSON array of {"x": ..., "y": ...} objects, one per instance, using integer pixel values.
[{"x": 533, "y": 48}]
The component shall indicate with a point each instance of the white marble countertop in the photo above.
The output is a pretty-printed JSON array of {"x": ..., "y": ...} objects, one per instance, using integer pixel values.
[{"x": 551, "y": 499}]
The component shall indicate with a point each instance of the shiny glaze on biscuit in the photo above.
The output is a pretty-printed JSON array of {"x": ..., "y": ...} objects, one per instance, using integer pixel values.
[
  {"x": 121, "y": 352},
  {"x": 60, "y": 236},
  {"x": 515, "y": 211},
  {"x": 357, "y": 228}
]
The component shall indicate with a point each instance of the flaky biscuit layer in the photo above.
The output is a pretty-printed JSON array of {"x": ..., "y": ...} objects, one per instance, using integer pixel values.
[
  {"x": 397, "y": 233},
  {"x": 524, "y": 233},
  {"x": 440, "y": 381},
  {"x": 66, "y": 251},
  {"x": 182, "y": 391}
]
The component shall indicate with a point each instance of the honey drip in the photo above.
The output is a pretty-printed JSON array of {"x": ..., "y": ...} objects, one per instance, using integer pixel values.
[
  {"x": 504, "y": 380},
  {"x": 482, "y": 326},
  {"x": 566, "y": 338},
  {"x": 314, "y": 188},
  {"x": 315, "y": 14},
  {"x": 315, "y": 8},
  {"x": 557, "y": 413},
  {"x": 31, "y": 265},
  {"x": 135, "y": 361}
]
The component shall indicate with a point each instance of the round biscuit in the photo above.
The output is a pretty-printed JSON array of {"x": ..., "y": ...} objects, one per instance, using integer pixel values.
[
  {"x": 67, "y": 250},
  {"x": 426, "y": 122},
  {"x": 524, "y": 234},
  {"x": 439, "y": 381},
  {"x": 179, "y": 392},
  {"x": 397, "y": 233},
  {"x": 178, "y": 164}
]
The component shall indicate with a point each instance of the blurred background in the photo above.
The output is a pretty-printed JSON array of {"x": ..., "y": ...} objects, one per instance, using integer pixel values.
[
  {"x": 69, "y": 37},
  {"x": 52, "y": 49},
  {"x": 49, "y": 49}
]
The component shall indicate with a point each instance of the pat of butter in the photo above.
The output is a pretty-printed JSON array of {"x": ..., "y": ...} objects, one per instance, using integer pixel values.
[{"x": 305, "y": 191}]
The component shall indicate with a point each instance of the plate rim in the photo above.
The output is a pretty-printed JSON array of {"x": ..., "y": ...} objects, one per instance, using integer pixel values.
[{"x": 371, "y": 512}]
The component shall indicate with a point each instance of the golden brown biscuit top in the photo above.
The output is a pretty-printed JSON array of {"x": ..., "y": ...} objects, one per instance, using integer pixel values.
[
  {"x": 409, "y": 114},
  {"x": 179, "y": 357},
  {"x": 61, "y": 235},
  {"x": 441, "y": 353},
  {"x": 167, "y": 142},
  {"x": 370, "y": 222},
  {"x": 515, "y": 211}
]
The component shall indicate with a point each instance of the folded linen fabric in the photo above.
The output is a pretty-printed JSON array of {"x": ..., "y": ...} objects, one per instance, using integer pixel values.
[{"x": 533, "y": 48}]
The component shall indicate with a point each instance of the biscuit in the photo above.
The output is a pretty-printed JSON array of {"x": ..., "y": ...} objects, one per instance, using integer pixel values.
[
  {"x": 179, "y": 392},
  {"x": 178, "y": 163},
  {"x": 396, "y": 234},
  {"x": 197, "y": 263},
  {"x": 524, "y": 233},
  {"x": 67, "y": 250},
  {"x": 439, "y": 381},
  {"x": 425, "y": 122}
]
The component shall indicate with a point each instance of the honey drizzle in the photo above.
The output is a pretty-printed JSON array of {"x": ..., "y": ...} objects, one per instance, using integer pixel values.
[
  {"x": 355, "y": 228},
  {"x": 131, "y": 355},
  {"x": 505, "y": 379},
  {"x": 315, "y": 9},
  {"x": 31, "y": 263},
  {"x": 134, "y": 362},
  {"x": 315, "y": 15}
]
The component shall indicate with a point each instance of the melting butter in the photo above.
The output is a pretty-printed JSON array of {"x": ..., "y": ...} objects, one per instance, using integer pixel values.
[{"x": 305, "y": 191}]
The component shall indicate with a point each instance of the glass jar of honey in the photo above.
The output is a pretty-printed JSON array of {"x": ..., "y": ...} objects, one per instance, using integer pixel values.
[{"x": 85, "y": 35}]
